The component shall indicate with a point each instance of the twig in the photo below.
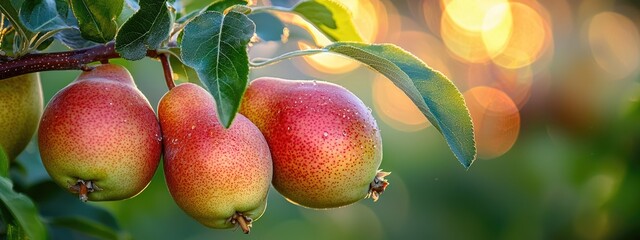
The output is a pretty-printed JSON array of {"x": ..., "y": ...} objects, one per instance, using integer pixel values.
[{"x": 69, "y": 60}]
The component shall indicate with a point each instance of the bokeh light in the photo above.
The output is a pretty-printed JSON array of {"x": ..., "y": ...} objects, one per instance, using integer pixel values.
[
  {"x": 474, "y": 15},
  {"x": 472, "y": 30},
  {"x": 528, "y": 38},
  {"x": 372, "y": 21},
  {"x": 614, "y": 42},
  {"x": 466, "y": 46},
  {"x": 516, "y": 83},
  {"x": 395, "y": 108},
  {"x": 496, "y": 120}
]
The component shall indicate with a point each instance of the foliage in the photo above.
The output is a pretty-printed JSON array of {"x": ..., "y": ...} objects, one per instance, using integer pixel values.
[{"x": 209, "y": 45}]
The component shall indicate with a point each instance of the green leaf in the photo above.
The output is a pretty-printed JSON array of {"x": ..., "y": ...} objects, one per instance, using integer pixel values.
[
  {"x": 45, "y": 44},
  {"x": 88, "y": 227},
  {"x": 221, "y": 5},
  {"x": 130, "y": 8},
  {"x": 4, "y": 163},
  {"x": 196, "y": 5},
  {"x": 436, "y": 97},
  {"x": 146, "y": 29},
  {"x": 97, "y": 18},
  {"x": 182, "y": 72},
  {"x": 55, "y": 202},
  {"x": 41, "y": 15},
  {"x": 11, "y": 13},
  {"x": 331, "y": 18},
  {"x": 20, "y": 41},
  {"x": 215, "y": 45},
  {"x": 22, "y": 209},
  {"x": 72, "y": 38},
  {"x": 215, "y": 5}
]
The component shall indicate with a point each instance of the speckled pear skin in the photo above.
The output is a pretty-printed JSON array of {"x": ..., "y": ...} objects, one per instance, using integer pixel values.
[
  {"x": 212, "y": 172},
  {"x": 101, "y": 128},
  {"x": 20, "y": 110},
  {"x": 324, "y": 141}
]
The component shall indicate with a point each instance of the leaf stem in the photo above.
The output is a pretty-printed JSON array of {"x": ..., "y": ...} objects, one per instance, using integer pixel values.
[
  {"x": 44, "y": 37},
  {"x": 269, "y": 8},
  {"x": 261, "y": 62},
  {"x": 168, "y": 73}
]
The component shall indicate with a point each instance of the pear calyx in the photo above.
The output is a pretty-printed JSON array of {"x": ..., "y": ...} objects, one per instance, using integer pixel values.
[
  {"x": 82, "y": 188},
  {"x": 378, "y": 185}
]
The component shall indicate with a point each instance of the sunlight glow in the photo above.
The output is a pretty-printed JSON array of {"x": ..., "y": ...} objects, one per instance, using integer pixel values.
[
  {"x": 496, "y": 120},
  {"x": 614, "y": 41},
  {"x": 395, "y": 108}
]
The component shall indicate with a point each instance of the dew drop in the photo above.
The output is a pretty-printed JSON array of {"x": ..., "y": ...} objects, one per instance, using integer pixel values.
[
  {"x": 110, "y": 104},
  {"x": 288, "y": 128},
  {"x": 344, "y": 133},
  {"x": 314, "y": 83},
  {"x": 193, "y": 127},
  {"x": 189, "y": 135},
  {"x": 325, "y": 135}
]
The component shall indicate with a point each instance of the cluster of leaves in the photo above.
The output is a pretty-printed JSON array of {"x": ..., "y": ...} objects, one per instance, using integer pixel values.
[{"x": 208, "y": 44}]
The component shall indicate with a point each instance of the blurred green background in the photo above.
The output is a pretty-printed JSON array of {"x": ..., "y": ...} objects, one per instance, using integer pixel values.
[{"x": 553, "y": 91}]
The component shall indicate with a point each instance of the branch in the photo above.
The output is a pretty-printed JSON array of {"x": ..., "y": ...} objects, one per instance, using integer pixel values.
[{"x": 69, "y": 60}]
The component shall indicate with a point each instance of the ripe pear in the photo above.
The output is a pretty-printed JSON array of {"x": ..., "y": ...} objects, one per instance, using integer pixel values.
[
  {"x": 218, "y": 176},
  {"x": 324, "y": 141},
  {"x": 20, "y": 110},
  {"x": 99, "y": 136}
]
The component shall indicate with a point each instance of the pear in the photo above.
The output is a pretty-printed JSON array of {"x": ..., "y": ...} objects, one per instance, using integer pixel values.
[
  {"x": 99, "y": 136},
  {"x": 324, "y": 141},
  {"x": 20, "y": 110},
  {"x": 218, "y": 176}
]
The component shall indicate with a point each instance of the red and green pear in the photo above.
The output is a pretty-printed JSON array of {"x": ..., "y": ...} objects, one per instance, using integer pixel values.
[
  {"x": 99, "y": 136},
  {"x": 218, "y": 176},
  {"x": 324, "y": 141},
  {"x": 20, "y": 110}
]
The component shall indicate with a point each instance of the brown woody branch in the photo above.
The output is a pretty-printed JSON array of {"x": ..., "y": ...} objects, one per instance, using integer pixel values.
[{"x": 69, "y": 60}]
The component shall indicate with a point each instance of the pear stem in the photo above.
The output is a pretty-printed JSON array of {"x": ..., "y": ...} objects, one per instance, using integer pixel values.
[
  {"x": 168, "y": 73},
  {"x": 69, "y": 60}
]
